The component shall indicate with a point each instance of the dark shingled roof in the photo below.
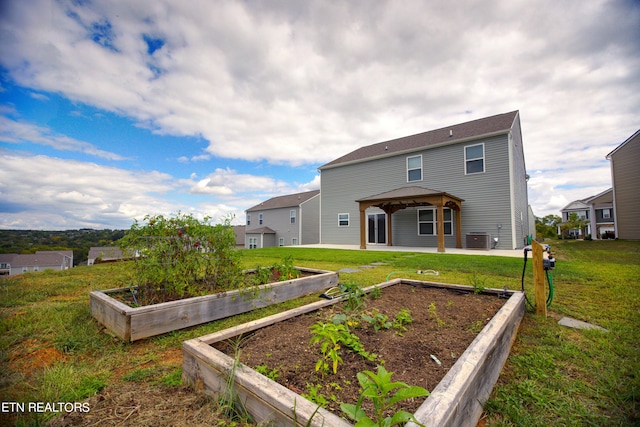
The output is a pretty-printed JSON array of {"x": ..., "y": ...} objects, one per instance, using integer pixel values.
[
  {"x": 287, "y": 201},
  {"x": 500, "y": 123}
]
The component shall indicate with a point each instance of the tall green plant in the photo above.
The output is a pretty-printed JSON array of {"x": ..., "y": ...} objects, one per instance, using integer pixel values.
[
  {"x": 174, "y": 254},
  {"x": 380, "y": 390}
]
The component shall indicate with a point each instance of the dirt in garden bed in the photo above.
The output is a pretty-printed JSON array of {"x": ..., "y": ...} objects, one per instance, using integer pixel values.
[{"x": 444, "y": 323}]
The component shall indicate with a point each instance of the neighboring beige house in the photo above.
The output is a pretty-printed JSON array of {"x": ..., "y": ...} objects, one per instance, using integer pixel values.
[
  {"x": 597, "y": 211},
  {"x": 12, "y": 264},
  {"x": 284, "y": 221},
  {"x": 625, "y": 177}
]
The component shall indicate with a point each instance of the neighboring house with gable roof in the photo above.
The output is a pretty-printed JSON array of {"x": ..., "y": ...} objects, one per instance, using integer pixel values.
[
  {"x": 99, "y": 254},
  {"x": 284, "y": 221},
  {"x": 625, "y": 177},
  {"x": 598, "y": 213},
  {"x": 459, "y": 186},
  {"x": 12, "y": 264}
]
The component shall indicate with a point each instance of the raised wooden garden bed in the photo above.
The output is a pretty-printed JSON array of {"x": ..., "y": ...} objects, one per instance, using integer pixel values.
[
  {"x": 134, "y": 323},
  {"x": 456, "y": 400}
]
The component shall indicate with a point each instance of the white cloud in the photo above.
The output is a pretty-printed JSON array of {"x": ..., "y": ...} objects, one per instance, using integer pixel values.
[
  {"x": 305, "y": 82},
  {"x": 17, "y": 132}
]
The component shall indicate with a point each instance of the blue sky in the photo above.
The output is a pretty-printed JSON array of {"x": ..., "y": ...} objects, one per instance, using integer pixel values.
[{"x": 113, "y": 110}]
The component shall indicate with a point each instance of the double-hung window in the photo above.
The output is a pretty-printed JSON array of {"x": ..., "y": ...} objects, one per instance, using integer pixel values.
[
  {"x": 292, "y": 216},
  {"x": 414, "y": 168},
  {"x": 343, "y": 220},
  {"x": 474, "y": 159},
  {"x": 428, "y": 220},
  {"x": 260, "y": 218},
  {"x": 248, "y": 219}
]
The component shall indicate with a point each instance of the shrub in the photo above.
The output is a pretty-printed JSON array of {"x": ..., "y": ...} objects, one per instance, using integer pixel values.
[{"x": 181, "y": 255}]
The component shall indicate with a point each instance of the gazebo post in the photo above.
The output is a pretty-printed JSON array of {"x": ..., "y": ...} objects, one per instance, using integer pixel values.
[
  {"x": 458, "y": 228},
  {"x": 363, "y": 229},
  {"x": 440, "y": 219}
]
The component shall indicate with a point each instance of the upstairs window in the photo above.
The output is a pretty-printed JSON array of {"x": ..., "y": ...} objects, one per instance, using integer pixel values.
[
  {"x": 414, "y": 168},
  {"x": 474, "y": 159},
  {"x": 292, "y": 216},
  {"x": 606, "y": 213},
  {"x": 248, "y": 219},
  {"x": 260, "y": 218}
]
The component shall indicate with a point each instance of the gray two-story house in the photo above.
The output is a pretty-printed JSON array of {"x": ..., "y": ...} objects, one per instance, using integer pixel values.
[
  {"x": 597, "y": 213},
  {"x": 625, "y": 176},
  {"x": 284, "y": 221},
  {"x": 462, "y": 186}
]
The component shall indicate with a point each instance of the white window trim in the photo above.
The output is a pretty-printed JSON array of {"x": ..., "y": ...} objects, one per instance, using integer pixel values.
[
  {"x": 435, "y": 221},
  {"x": 260, "y": 218},
  {"x": 281, "y": 241},
  {"x": 483, "y": 158},
  {"x": 408, "y": 170},
  {"x": 348, "y": 219},
  {"x": 292, "y": 216},
  {"x": 248, "y": 219},
  {"x": 294, "y": 241}
]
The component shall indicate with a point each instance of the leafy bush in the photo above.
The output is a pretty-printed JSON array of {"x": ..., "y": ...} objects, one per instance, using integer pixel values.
[{"x": 181, "y": 255}]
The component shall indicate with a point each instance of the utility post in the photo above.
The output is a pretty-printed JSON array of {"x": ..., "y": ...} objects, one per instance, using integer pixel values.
[{"x": 537, "y": 252}]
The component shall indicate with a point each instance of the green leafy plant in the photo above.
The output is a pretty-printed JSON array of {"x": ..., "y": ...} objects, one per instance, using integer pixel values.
[
  {"x": 383, "y": 393},
  {"x": 180, "y": 255},
  {"x": 377, "y": 320},
  {"x": 286, "y": 270},
  {"x": 330, "y": 336},
  {"x": 314, "y": 394},
  {"x": 267, "y": 372},
  {"x": 355, "y": 296},
  {"x": 402, "y": 319}
]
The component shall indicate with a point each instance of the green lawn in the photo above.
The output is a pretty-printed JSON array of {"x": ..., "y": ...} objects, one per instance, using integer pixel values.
[{"x": 52, "y": 350}]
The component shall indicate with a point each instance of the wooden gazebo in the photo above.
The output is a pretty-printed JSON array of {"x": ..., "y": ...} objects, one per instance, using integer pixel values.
[{"x": 406, "y": 197}]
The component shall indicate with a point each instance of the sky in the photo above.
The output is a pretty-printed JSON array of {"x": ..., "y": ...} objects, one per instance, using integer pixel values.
[{"x": 111, "y": 110}]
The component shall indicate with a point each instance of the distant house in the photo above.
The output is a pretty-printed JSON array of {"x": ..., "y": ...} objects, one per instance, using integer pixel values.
[
  {"x": 12, "y": 264},
  {"x": 463, "y": 185},
  {"x": 625, "y": 177},
  {"x": 100, "y": 254},
  {"x": 284, "y": 221},
  {"x": 239, "y": 231},
  {"x": 598, "y": 213}
]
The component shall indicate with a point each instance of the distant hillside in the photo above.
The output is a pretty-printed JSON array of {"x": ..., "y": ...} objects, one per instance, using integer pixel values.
[{"x": 79, "y": 241}]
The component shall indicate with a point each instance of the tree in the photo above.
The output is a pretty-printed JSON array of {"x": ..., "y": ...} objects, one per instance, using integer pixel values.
[
  {"x": 548, "y": 226},
  {"x": 576, "y": 223}
]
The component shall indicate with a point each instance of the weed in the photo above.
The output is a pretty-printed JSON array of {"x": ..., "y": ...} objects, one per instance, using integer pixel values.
[
  {"x": 269, "y": 373},
  {"x": 478, "y": 282},
  {"x": 140, "y": 375},
  {"x": 433, "y": 311},
  {"x": 314, "y": 394}
]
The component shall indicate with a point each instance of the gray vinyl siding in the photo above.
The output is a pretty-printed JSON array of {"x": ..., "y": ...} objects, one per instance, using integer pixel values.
[
  {"x": 520, "y": 222},
  {"x": 626, "y": 177},
  {"x": 279, "y": 221},
  {"x": 487, "y": 196},
  {"x": 309, "y": 221}
]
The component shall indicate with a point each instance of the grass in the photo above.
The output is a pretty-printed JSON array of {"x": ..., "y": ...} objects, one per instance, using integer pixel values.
[{"x": 51, "y": 349}]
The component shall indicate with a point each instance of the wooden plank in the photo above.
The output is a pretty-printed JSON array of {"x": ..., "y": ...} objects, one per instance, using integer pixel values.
[
  {"x": 538, "y": 279},
  {"x": 266, "y": 400},
  {"x": 457, "y": 400},
  {"x": 167, "y": 317},
  {"x": 110, "y": 313}
]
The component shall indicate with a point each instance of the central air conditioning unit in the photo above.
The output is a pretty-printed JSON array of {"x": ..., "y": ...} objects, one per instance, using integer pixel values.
[{"x": 479, "y": 241}]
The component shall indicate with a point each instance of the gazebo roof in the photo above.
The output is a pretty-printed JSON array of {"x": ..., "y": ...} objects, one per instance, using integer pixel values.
[{"x": 407, "y": 194}]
